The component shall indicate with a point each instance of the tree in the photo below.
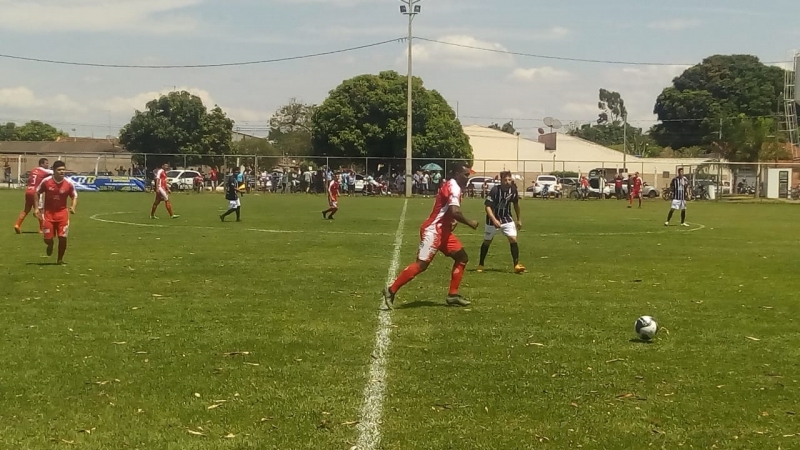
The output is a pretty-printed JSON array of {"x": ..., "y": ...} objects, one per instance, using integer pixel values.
[
  {"x": 507, "y": 127},
  {"x": 612, "y": 107},
  {"x": 365, "y": 116},
  {"x": 719, "y": 87},
  {"x": 178, "y": 124},
  {"x": 31, "y": 131},
  {"x": 257, "y": 147},
  {"x": 290, "y": 128}
]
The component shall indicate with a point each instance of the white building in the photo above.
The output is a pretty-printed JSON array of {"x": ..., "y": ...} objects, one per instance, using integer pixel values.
[{"x": 495, "y": 151}]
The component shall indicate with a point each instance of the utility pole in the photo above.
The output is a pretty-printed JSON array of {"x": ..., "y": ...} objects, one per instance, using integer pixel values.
[
  {"x": 410, "y": 8},
  {"x": 625, "y": 143}
]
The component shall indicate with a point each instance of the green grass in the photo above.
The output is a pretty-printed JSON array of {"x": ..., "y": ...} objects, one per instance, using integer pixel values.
[{"x": 121, "y": 340}]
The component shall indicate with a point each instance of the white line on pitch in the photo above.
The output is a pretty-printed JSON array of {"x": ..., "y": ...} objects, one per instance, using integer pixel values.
[{"x": 369, "y": 432}]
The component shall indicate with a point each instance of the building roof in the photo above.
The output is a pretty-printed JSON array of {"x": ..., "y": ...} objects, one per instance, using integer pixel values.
[{"x": 59, "y": 148}]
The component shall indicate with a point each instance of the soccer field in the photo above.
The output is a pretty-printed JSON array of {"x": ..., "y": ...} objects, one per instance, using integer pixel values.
[{"x": 196, "y": 334}]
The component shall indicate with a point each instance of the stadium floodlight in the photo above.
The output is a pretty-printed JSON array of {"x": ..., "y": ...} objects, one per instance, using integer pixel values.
[{"x": 409, "y": 8}]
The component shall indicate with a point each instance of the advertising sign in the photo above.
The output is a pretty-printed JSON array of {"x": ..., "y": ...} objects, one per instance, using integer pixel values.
[{"x": 93, "y": 183}]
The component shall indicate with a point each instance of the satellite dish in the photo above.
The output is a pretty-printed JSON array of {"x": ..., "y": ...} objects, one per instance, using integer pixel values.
[{"x": 552, "y": 123}]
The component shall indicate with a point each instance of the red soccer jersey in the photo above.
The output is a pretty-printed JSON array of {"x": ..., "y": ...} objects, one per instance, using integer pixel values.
[
  {"x": 37, "y": 175},
  {"x": 441, "y": 217},
  {"x": 333, "y": 190},
  {"x": 161, "y": 179},
  {"x": 55, "y": 198},
  {"x": 637, "y": 184}
]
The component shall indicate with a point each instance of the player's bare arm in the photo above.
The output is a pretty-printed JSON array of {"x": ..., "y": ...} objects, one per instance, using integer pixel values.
[
  {"x": 73, "y": 205},
  {"x": 517, "y": 214},
  {"x": 455, "y": 211},
  {"x": 492, "y": 217}
]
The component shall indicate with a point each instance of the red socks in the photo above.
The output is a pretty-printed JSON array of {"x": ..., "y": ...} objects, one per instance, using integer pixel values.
[
  {"x": 405, "y": 276},
  {"x": 455, "y": 279}
]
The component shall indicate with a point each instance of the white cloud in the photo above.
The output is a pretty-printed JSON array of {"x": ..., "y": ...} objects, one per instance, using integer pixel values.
[
  {"x": 580, "y": 111},
  {"x": 459, "y": 54},
  {"x": 22, "y": 98},
  {"x": 142, "y": 16},
  {"x": 675, "y": 24},
  {"x": 540, "y": 74}
]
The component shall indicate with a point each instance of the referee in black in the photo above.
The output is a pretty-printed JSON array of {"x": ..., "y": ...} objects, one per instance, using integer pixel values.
[
  {"x": 498, "y": 217},
  {"x": 680, "y": 192},
  {"x": 232, "y": 196}
]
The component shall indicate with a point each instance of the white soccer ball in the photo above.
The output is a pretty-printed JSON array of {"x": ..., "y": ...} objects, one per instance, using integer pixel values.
[{"x": 646, "y": 328}]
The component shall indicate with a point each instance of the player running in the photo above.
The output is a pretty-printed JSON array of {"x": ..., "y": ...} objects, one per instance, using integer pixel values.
[
  {"x": 162, "y": 192},
  {"x": 56, "y": 188},
  {"x": 31, "y": 199},
  {"x": 498, "y": 217},
  {"x": 333, "y": 198},
  {"x": 680, "y": 191},
  {"x": 436, "y": 235},
  {"x": 636, "y": 190},
  {"x": 232, "y": 191}
]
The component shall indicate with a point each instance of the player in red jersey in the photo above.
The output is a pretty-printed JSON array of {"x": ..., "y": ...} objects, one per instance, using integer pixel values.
[
  {"x": 37, "y": 175},
  {"x": 333, "y": 198},
  {"x": 436, "y": 235},
  {"x": 56, "y": 189},
  {"x": 162, "y": 192},
  {"x": 636, "y": 190}
]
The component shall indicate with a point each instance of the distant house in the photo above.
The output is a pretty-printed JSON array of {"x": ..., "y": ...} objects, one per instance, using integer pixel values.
[{"x": 237, "y": 136}]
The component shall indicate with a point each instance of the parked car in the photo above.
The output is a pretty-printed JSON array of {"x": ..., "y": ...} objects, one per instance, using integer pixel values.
[
  {"x": 477, "y": 183},
  {"x": 647, "y": 190},
  {"x": 550, "y": 180},
  {"x": 181, "y": 180}
]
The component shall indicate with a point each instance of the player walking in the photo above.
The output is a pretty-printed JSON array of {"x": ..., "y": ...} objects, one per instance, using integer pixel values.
[
  {"x": 636, "y": 190},
  {"x": 436, "y": 235},
  {"x": 31, "y": 199},
  {"x": 232, "y": 196},
  {"x": 333, "y": 198},
  {"x": 56, "y": 189},
  {"x": 498, "y": 217},
  {"x": 162, "y": 192},
  {"x": 680, "y": 191}
]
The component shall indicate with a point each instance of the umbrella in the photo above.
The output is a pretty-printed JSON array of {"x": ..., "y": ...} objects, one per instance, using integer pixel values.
[{"x": 432, "y": 167}]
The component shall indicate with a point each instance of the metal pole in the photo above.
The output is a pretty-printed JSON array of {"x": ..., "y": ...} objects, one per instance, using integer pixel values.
[
  {"x": 409, "y": 114},
  {"x": 625, "y": 144}
]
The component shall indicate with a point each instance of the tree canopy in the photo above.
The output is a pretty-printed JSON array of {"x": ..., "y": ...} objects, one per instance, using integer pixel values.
[
  {"x": 366, "y": 116},
  {"x": 612, "y": 108},
  {"x": 290, "y": 128},
  {"x": 178, "y": 124},
  {"x": 31, "y": 131},
  {"x": 721, "y": 86},
  {"x": 507, "y": 127}
]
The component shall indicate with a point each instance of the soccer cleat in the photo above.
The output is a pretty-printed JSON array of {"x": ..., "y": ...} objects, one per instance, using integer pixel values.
[
  {"x": 61, "y": 263},
  {"x": 49, "y": 250},
  {"x": 153, "y": 217},
  {"x": 17, "y": 230},
  {"x": 324, "y": 216},
  {"x": 222, "y": 218},
  {"x": 174, "y": 216},
  {"x": 479, "y": 269},
  {"x": 388, "y": 298},
  {"x": 457, "y": 300},
  {"x": 666, "y": 224},
  {"x": 684, "y": 224},
  {"x": 519, "y": 268}
]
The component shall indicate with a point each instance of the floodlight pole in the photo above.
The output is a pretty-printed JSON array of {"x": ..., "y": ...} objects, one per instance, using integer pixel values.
[{"x": 410, "y": 9}]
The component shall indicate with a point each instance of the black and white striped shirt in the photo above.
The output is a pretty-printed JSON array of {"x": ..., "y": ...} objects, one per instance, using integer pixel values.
[
  {"x": 500, "y": 200},
  {"x": 679, "y": 186}
]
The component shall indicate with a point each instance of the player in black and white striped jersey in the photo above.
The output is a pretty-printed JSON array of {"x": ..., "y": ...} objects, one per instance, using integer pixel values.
[
  {"x": 679, "y": 186},
  {"x": 498, "y": 217}
]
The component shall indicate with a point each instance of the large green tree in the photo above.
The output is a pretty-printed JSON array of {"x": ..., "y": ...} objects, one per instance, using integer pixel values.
[
  {"x": 366, "y": 116},
  {"x": 31, "y": 131},
  {"x": 290, "y": 128},
  {"x": 612, "y": 107},
  {"x": 507, "y": 127},
  {"x": 721, "y": 86},
  {"x": 178, "y": 124}
]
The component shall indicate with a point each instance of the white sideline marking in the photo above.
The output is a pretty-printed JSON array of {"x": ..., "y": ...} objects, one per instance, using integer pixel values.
[{"x": 369, "y": 433}]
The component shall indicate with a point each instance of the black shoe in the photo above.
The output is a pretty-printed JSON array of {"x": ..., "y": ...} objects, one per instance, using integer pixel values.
[{"x": 388, "y": 298}]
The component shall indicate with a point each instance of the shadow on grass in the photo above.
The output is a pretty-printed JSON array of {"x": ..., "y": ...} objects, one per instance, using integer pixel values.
[
  {"x": 640, "y": 341},
  {"x": 421, "y": 304},
  {"x": 29, "y": 232},
  {"x": 41, "y": 264}
]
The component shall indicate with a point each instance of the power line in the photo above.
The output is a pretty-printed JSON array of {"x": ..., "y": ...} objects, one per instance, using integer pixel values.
[
  {"x": 198, "y": 66},
  {"x": 528, "y": 119},
  {"x": 564, "y": 58}
]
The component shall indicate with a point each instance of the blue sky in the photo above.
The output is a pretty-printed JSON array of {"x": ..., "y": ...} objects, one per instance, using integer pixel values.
[{"x": 486, "y": 87}]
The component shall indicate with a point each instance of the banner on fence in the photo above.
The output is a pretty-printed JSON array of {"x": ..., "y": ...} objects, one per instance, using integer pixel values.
[{"x": 103, "y": 183}]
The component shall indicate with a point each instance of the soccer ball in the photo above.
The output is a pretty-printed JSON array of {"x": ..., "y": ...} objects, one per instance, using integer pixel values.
[{"x": 646, "y": 328}]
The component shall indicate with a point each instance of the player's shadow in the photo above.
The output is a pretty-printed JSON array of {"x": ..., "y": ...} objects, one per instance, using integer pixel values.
[
  {"x": 29, "y": 232},
  {"x": 421, "y": 304},
  {"x": 640, "y": 341},
  {"x": 41, "y": 264},
  {"x": 491, "y": 270}
]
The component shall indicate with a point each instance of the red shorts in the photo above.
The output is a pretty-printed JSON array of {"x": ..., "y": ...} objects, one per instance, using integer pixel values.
[
  {"x": 636, "y": 194},
  {"x": 53, "y": 229},
  {"x": 432, "y": 241},
  {"x": 30, "y": 200}
]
